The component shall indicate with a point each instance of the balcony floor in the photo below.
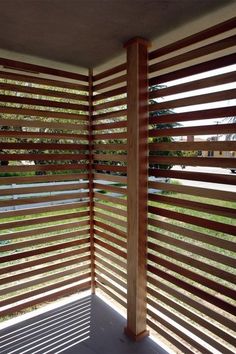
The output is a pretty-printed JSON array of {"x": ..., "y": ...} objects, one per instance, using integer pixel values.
[{"x": 85, "y": 326}]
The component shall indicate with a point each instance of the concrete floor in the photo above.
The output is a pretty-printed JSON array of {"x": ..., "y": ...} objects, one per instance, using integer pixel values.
[{"x": 85, "y": 326}]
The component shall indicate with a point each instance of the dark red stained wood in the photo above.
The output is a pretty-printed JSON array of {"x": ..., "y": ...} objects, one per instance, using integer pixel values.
[
  {"x": 43, "y": 81},
  {"x": 43, "y": 113},
  {"x": 109, "y": 72},
  {"x": 91, "y": 187},
  {"x": 42, "y": 102},
  {"x": 42, "y": 69},
  {"x": 137, "y": 164},
  {"x": 194, "y": 115},
  {"x": 194, "y": 69},
  {"x": 195, "y": 53},
  {"x": 197, "y": 37}
]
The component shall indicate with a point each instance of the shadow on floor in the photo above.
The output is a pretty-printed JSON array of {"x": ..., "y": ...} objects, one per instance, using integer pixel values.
[{"x": 85, "y": 326}]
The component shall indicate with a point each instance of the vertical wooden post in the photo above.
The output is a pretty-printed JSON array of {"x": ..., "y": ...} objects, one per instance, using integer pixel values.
[
  {"x": 90, "y": 179},
  {"x": 137, "y": 91}
]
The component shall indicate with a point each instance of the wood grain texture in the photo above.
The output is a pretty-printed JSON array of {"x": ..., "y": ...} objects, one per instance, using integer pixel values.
[
  {"x": 194, "y": 69},
  {"x": 137, "y": 115},
  {"x": 43, "y": 81},
  {"x": 43, "y": 92},
  {"x": 195, "y": 38},
  {"x": 190, "y": 310},
  {"x": 91, "y": 182},
  {"x": 193, "y": 54},
  {"x": 42, "y": 69}
]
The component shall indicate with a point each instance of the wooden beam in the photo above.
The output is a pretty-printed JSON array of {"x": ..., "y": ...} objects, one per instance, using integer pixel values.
[
  {"x": 137, "y": 160},
  {"x": 91, "y": 178}
]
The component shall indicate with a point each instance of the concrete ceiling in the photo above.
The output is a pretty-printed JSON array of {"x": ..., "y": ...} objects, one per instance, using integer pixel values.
[{"x": 87, "y": 33}]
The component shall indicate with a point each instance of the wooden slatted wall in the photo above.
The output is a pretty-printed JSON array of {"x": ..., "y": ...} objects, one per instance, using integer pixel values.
[
  {"x": 192, "y": 206},
  {"x": 110, "y": 181},
  {"x": 44, "y": 206}
]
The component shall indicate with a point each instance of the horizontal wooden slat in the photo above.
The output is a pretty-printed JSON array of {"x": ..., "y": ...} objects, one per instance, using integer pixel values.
[
  {"x": 198, "y": 191},
  {"x": 111, "y": 229},
  {"x": 201, "y": 222},
  {"x": 43, "y": 113},
  {"x": 119, "y": 272},
  {"x": 194, "y": 85},
  {"x": 103, "y": 271},
  {"x": 41, "y": 179},
  {"x": 43, "y": 189},
  {"x": 48, "y": 297},
  {"x": 195, "y": 176},
  {"x": 45, "y": 269},
  {"x": 39, "y": 135},
  {"x": 22, "y": 265},
  {"x": 41, "y": 124},
  {"x": 108, "y": 188},
  {"x": 45, "y": 157},
  {"x": 42, "y": 91},
  {"x": 199, "y": 265},
  {"x": 35, "y": 200},
  {"x": 229, "y": 128},
  {"x": 111, "y": 125},
  {"x": 42, "y": 102},
  {"x": 110, "y": 257},
  {"x": 111, "y": 93},
  {"x": 105, "y": 282},
  {"x": 191, "y": 294},
  {"x": 188, "y": 204},
  {"x": 108, "y": 238},
  {"x": 110, "y": 168},
  {"x": 44, "y": 146},
  {"x": 42, "y": 69},
  {"x": 194, "y": 115},
  {"x": 41, "y": 220},
  {"x": 194, "y": 38},
  {"x": 110, "y": 219},
  {"x": 44, "y": 250},
  {"x": 43, "y": 81},
  {"x": 111, "y": 136},
  {"x": 109, "y": 72},
  {"x": 115, "y": 114},
  {"x": 109, "y": 83},
  {"x": 107, "y": 157},
  {"x": 40, "y": 231},
  {"x": 194, "y": 100},
  {"x": 110, "y": 104},
  {"x": 111, "y": 147},
  {"x": 222, "y": 162},
  {"x": 110, "y": 294},
  {"x": 43, "y": 289},
  {"x": 30, "y": 168},
  {"x": 111, "y": 199},
  {"x": 110, "y": 248},
  {"x": 111, "y": 178},
  {"x": 44, "y": 210},
  {"x": 194, "y": 53},
  {"x": 194, "y": 146},
  {"x": 111, "y": 209},
  {"x": 41, "y": 241},
  {"x": 43, "y": 279},
  {"x": 192, "y": 341},
  {"x": 222, "y": 243},
  {"x": 178, "y": 344},
  {"x": 198, "y": 281},
  {"x": 194, "y": 69},
  {"x": 176, "y": 300}
]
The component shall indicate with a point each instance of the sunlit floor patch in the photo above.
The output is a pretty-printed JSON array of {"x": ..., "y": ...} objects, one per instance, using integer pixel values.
[{"x": 85, "y": 326}]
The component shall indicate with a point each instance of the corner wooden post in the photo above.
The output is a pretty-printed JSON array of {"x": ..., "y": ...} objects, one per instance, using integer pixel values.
[
  {"x": 137, "y": 169},
  {"x": 90, "y": 180}
]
